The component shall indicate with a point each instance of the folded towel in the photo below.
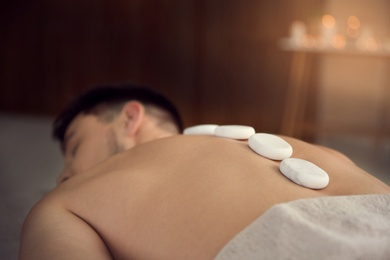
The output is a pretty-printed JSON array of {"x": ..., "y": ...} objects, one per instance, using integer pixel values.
[{"x": 338, "y": 227}]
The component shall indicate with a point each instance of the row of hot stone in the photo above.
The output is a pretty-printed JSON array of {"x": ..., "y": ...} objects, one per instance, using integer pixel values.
[{"x": 270, "y": 146}]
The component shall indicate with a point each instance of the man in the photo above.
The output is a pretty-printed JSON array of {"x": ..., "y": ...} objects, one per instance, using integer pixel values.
[
  {"x": 112, "y": 119},
  {"x": 134, "y": 188}
]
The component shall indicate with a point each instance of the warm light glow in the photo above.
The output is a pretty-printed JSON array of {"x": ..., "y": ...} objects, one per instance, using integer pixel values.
[
  {"x": 372, "y": 44},
  {"x": 368, "y": 43},
  {"x": 308, "y": 41},
  {"x": 338, "y": 41},
  {"x": 297, "y": 32},
  {"x": 320, "y": 43},
  {"x": 352, "y": 33},
  {"x": 361, "y": 44},
  {"x": 328, "y": 21},
  {"x": 331, "y": 36},
  {"x": 353, "y": 22}
]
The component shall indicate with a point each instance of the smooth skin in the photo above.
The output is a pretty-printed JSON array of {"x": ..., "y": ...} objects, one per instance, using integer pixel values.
[{"x": 166, "y": 197}]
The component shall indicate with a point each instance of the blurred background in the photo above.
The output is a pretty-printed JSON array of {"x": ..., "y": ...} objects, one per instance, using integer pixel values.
[{"x": 313, "y": 69}]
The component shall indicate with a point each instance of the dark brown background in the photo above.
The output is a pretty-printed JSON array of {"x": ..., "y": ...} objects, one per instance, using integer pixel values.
[{"x": 218, "y": 59}]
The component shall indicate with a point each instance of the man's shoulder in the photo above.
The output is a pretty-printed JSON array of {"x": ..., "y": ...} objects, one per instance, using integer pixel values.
[{"x": 50, "y": 231}]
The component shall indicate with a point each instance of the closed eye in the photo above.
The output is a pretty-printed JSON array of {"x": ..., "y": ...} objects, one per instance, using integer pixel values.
[{"x": 74, "y": 149}]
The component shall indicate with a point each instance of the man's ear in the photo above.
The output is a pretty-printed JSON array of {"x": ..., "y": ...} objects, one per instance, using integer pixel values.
[{"x": 134, "y": 113}]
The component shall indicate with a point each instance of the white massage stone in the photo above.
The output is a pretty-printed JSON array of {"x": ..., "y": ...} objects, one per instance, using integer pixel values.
[
  {"x": 270, "y": 146},
  {"x": 234, "y": 131},
  {"x": 304, "y": 173},
  {"x": 207, "y": 129}
]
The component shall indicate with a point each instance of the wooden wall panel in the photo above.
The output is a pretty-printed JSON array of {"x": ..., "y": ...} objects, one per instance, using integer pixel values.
[
  {"x": 218, "y": 59},
  {"x": 242, "y": 58}
]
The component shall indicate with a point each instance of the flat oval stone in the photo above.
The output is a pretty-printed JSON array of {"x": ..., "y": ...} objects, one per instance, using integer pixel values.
[
  {"x": 239, "y": 132},
  {"x": 206, "y": 129},
  {"x": 304, "y": 173},
  {"x": 270, "y": 146}
]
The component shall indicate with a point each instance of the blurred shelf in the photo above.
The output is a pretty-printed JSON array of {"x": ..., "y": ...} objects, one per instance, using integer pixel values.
[
  {"x": 288, "y": 44},
  {"x": 293, "y": 122}
]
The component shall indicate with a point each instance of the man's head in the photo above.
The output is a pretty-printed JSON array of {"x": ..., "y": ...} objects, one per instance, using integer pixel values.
[{"x": 110, "y": 119}]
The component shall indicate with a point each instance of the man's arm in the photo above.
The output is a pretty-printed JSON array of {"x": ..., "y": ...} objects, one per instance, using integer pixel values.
[{"x": 52, "y": 232}]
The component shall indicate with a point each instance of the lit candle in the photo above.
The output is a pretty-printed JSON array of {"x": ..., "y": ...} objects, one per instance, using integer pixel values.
[
  {"x": 328, "y": 28},
  {"x": 297, "y": 32}
]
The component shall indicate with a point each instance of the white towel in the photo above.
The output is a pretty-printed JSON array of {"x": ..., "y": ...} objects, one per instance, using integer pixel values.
[{"x": 338, "y": 227}]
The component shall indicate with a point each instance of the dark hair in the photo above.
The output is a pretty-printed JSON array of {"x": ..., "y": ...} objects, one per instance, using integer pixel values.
[{"x": 112, "y": 95}]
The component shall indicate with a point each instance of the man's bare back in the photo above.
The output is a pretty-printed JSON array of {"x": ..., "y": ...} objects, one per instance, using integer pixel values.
[{"x": 181, "y": 197}]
